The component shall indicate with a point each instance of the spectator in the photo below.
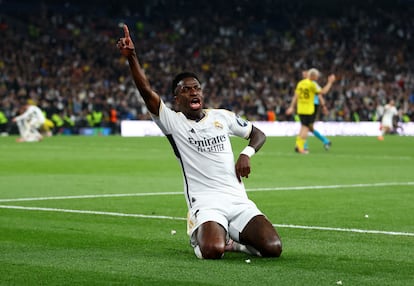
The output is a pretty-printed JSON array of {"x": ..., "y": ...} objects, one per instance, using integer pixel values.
[{"x": 249, "y": 57}]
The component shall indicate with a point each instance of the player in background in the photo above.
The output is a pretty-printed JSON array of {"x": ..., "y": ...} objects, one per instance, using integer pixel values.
[
  {"x": 388, "y": 114},
  {"x": 4, "y": 123},
  {"x": 326, "y": 142},
  {"x": 221, "y": 216},
  {"x": 304, "y": 98},
  {"x": 29, "y": 123}
]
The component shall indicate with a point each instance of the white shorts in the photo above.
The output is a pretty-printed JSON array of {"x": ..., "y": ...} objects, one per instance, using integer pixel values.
[
  {"x": 387, "y": 123},
  {"x": 230, "y": 212}
]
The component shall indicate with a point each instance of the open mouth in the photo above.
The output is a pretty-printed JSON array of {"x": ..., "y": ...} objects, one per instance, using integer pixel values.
[{"x": 195, "y": 103}]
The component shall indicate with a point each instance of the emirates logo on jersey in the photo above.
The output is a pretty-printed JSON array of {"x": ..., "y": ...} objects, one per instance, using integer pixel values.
[{"x": 213, "y": 144}]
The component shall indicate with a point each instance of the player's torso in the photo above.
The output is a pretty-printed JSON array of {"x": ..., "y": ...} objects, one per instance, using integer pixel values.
[
  {"x": 206, "y": 155},
  {"x": 306, "y": 90},
  {"x": 205, "y": 139}
]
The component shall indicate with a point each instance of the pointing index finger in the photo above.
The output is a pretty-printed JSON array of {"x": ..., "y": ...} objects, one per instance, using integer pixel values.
[{"x": 126, "y": 31}]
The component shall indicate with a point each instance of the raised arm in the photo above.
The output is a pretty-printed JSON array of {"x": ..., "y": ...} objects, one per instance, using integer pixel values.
[
  {"x": 127, "y": 49},
  {"x": 256, "y": 140},
  {"x": 328, "y": 85},
  {"x": 325, "y": 90}
]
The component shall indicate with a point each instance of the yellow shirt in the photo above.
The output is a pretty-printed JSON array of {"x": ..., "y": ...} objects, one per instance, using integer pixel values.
[{"x": 306, "y": 91}]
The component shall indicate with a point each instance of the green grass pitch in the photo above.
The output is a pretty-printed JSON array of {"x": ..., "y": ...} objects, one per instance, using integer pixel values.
[{"x": 100, "y": 211}]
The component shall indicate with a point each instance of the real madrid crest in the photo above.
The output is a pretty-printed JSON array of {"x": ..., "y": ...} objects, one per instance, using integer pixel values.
[{"x": 218, "y": 125}]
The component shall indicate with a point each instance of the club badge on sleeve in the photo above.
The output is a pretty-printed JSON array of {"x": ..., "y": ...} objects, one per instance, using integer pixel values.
[{"x": 241, "y": 121}]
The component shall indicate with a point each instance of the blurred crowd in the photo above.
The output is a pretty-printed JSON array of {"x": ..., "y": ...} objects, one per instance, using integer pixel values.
[{"x": 249, "y": 56}]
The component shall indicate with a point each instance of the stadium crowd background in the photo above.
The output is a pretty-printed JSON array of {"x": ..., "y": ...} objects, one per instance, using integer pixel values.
[{"x": 62, "y": 55}]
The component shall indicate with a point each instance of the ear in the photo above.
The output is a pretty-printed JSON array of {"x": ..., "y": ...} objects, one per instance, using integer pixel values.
[{"x": 176, "y": 103}]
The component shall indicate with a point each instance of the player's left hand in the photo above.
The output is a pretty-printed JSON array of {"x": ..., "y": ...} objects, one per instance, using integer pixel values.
[
  {"x": 242, "y": 167},
  {"x": 325, "y": 110}
]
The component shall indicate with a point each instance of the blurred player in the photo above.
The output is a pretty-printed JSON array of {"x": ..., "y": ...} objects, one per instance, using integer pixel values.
[
  {"x": 29, "y": 123},
  {"x": 221, "y": 216},
  {"x": 387, "y": 121},
  {"x": 326, "y": 143},
  {"x": 304, "y": 98}
]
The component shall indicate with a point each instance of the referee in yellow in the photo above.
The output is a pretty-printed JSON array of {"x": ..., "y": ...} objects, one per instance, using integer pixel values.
[{"x": 305, "y": 92}]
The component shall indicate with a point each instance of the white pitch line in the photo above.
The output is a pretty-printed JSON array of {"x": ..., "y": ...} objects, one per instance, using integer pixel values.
[
  {"x": 298, "y": 188},
  {"x": 344, "y": 229},
  {"x": 89, "y": 196},
  {"x": 333, "y": 186},
  {"x": 184, "y": 219},
  {"x": 89, "y": 212}
]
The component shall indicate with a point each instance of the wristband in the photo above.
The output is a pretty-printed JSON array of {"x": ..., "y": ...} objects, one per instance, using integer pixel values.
[{"x": 248, "y": 151}]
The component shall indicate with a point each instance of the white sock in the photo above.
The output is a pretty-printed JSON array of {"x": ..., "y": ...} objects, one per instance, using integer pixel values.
[
  {"x": 245, "y": 248},
  {"x": 197, "y": 252}
]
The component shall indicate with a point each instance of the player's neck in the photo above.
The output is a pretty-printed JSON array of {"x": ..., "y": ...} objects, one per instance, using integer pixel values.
[{"x": 196, "y": 116}]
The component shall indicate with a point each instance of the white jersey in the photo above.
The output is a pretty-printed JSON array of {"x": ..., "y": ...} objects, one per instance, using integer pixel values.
[
  {"x": 389, "y": 112},
  {"x": 204, "y": 151},
  {"x": 33, "y": 116}
]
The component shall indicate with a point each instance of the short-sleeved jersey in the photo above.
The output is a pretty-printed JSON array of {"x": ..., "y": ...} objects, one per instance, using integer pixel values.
[
  {"x": 204, "y": 150},
  {"x": 316, "y": 100},
  {"x": 306, "y": 90}
]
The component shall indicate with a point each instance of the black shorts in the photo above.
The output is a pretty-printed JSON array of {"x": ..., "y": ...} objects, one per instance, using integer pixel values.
[{"x": 307, "y": 119}]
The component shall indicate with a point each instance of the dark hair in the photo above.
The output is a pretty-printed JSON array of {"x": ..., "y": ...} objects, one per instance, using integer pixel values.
[
  {"x": 179, "y": 77},
  {"x": 23, "y": 99}
]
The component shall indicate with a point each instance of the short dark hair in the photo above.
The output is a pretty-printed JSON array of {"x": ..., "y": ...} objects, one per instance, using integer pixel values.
[
  {"x": 179, "y": 77},
  {"x": 23, "y": 99}
]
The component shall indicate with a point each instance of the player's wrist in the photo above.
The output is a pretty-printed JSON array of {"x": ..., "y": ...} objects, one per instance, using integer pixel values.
[{"x": 248, "y": 151}]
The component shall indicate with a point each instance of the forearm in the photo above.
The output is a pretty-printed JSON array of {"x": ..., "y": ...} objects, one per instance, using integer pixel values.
[
  {"x": 321, "y": 100},
  {"x": 20, "y": 117},
  {"x": 257, "y": 139},
  {"x": 139, "y": 76},
  {"x": 151, "y": 99},
  {"x": 326, "y": 88},
  {"x": 293, "y": 103}
]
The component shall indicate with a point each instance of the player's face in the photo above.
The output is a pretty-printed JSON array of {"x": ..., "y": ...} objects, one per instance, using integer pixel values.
[
  {"x": 313, "y": 77},
  {"x": 189, "y": 98},
  {"x": 304, "y": 74}
]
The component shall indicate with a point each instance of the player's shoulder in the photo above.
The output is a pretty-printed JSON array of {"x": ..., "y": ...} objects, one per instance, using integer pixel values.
[
  {"x": 302, "y": 81},
  {"x": 219, "y": 112},
  {"x": 167, "y": 108},
  {"x": 32, "y": 108},
  {"x": 305, "y": 82},
  {"x": 225, "y": 115}
]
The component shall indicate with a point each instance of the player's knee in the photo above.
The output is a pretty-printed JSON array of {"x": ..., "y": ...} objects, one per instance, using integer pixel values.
[
  {"x": 272, "y": 249},
  {"x": 211, "y": 250}
]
